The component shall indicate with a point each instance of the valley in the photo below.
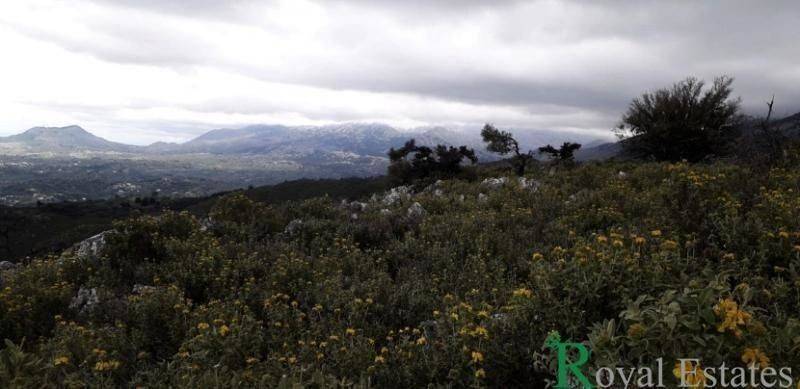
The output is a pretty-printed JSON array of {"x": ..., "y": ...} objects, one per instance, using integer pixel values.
[{"x": 69, "y": 164}]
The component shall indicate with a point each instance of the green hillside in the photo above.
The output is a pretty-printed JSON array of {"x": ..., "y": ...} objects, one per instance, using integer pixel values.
[
  {"x": 31, "y": 231},
  {"x": 458, "y": 285}
]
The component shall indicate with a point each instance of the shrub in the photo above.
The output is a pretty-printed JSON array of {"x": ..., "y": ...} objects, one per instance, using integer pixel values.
[{"x": 682, "y": 122}]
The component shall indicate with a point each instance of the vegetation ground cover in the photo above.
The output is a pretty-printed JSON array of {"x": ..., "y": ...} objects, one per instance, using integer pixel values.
[{"x": 455, "y": 284}]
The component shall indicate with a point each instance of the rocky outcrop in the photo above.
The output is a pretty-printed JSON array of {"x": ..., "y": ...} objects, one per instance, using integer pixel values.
[
  {"x": 416, "y": 211},
  {"x": 85, "y": 301},
  {"x": 494, "y": 182},
  {"x": 6, "y": 265},
  {"x": 396, "y": 194},
  {"x": 142, "y": 289},
  {"x": 355, "y": 206},
  {"x": 293, "y": 227},
  {"x": 529, "y": 184},
  {"x": 92, "y": 247}
]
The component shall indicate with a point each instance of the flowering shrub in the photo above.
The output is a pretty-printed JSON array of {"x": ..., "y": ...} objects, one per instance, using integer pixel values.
[{"x": 666, "y": 260}]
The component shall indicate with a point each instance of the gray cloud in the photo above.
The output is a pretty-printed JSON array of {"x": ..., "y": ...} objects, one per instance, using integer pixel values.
[{"x": 531, "y": 58}]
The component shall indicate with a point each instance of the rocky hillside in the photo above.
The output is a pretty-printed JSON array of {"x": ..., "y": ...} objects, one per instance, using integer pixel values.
[{"x": 455, "y": 283}]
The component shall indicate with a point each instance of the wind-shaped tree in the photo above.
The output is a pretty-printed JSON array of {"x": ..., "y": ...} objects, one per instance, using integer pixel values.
[
  {"x": 564, "y": 154},
  {"x": 503, "y": 143}
]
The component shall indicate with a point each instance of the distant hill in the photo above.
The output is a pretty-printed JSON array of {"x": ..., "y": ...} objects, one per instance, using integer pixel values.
[
  {"x": 598, "y": 152},
  {"x": 60, "y": 140},
  {"x": 355, "y": 138},
  {"x": 339, "y": 141},
  {"x": 359, "y": 139},
  {"x": 790, "y": 125}
]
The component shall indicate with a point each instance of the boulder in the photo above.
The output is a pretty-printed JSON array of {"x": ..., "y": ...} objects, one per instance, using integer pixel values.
[
  {"x": 6, "y": 265},
  {"x": 529, "y": 184},
  {"x": 495, "y": 183},
  {"x": 85, "y": 301},
  {"x": 416, "y": 211},
  {"x": 141, "y": 289},
  {"x": 293, "y": 227},
  {"x": 93, "y": 246},
  {"x": 396, "y": 194},
  {"x": 206, "y": 224},
  {"x": 355, "y": 206}
]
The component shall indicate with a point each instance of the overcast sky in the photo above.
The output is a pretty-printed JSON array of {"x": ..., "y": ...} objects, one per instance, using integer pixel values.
[{"x": 139, "y": 71}]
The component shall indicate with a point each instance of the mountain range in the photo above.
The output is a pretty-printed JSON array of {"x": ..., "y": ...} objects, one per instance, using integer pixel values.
[
  {"x": 52, "y": 164},
  {"x": 371, "y": 140}
]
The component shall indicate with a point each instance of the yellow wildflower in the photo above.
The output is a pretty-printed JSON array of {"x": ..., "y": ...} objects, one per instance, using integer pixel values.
[
  {"x": 380, "y": 359},
  {"x": 669, "y": 245},
  {"x": 62, "y": 360},
  {"x": 480, "y": 373},
  {"x": 755, "y": 357},
  {"x": 732, "y": 316},
  {"x": 350, "y": 331},
  {"x": 694, "y": 376},
  {"x": 522, "y": 292},
  {"x": 252, "y": 360},
  {"x": 477, "y": 357},
  {"x": 202, "y": 326},
  {"x": 421, "y": 341},
  {"x": 480, "y": 331},
  {"x": 655, "y": 233},
  {"x": 106, "y": 365},
  {"x": 224, "y": 330}
]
